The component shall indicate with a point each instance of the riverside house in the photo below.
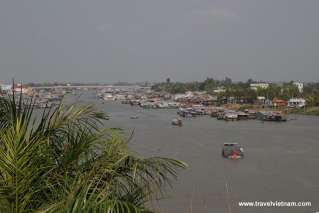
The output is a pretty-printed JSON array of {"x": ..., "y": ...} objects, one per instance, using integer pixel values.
[
  {"x": 279, "y": 103},
  {"x": 297, "y": 103}
]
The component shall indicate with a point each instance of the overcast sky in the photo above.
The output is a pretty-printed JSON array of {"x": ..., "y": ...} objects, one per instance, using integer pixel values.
[{"x": 139, "y": 40}]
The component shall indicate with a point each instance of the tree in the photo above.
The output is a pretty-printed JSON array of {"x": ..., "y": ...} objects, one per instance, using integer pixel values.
[
  {"x": 250, "y": 81},
  {"x": 290, "y": 91},
  {"x": 64, "y": 162},
  {"x": 228, "y": 81},
  {"x": 168, "y": 80},
  {"x": 209, "y": 85},
  {"x": 312, "y": 101}
]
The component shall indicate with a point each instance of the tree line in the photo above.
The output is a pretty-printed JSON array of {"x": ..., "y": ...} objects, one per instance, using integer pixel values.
[{"x": 242, "y": 90}]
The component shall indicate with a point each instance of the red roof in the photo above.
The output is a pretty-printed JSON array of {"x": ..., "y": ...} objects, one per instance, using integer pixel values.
[{"x": 279, "y": 102}]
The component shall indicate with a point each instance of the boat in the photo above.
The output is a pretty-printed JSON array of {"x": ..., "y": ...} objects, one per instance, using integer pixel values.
[
  {"x": 242, "y": 116},
  {"x": 230, "y": 116},
  {"x": 134, "y": 117},
  {"x": 214, "y": 112},
  {"x": 186, "y": 113},
  {"x": 108, "y": 97},
  {"x": 220, "y": 116},
  {"x": 232, "y": 151},
  {"x": 177, "y": 122},
  {"x": 125, "y": 102},
  {"x": 271, "y": 116},
  {"x": 252, "y": 114}
]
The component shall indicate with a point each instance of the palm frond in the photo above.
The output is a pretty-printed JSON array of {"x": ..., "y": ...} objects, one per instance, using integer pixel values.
[{"x": 62, "y": 161}]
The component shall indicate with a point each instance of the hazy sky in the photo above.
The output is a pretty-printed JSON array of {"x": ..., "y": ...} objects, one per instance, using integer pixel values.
[{"x": 139, "y": 40}]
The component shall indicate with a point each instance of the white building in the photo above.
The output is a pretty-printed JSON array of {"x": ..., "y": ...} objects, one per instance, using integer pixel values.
[
  {"x": 219, "y": 90},
  {"x": 18, "y": 88},
  {"x": 297, "y": 102},
  {"x": 261, "y": 99},
  {"x": 6, "y": 87},
  {"x": 255, "y": 86},
  {"x": 299, "y": 85}
]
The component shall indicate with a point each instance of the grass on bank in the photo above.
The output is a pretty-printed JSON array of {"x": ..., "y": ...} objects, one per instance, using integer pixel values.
[{"x": 314, "y": 110}]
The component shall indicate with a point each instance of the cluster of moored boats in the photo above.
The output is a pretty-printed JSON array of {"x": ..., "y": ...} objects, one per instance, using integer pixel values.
[
  {"x": 189, "y": 112},
  {"x": 271, "y": 116},
  {"x": 146, "y": 104},
  {"x": 232, "y": 115},
  {"x": 47, "y": 99},
  {"x": 158, "y": 105}
]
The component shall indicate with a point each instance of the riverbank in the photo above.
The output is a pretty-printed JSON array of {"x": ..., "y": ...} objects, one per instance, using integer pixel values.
[
  {"x": 314, "y": 110},
  {"x": 306, "y": 111}
]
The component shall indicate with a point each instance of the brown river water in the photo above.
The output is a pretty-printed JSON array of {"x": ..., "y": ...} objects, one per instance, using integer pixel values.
[{"x": 281, "y": 159}]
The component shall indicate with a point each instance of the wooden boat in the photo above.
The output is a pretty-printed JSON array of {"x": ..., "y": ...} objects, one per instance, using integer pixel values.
[
  {"x": 177, "y": 122},
  {"x": 134, "y": 117},
  {"x": 271, "y": 116}
]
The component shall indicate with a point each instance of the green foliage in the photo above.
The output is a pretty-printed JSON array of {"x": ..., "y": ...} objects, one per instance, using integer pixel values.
[
  {"x": 63, "y": 161},
  {"x": 312, "y": 110},
  {"x": 311, "y": 92},
  {"x": 176, "y": 87},
  {"x": 312, "y": 100},
  {"x": 289, "y": 91},
  {"x": 241, "y": 91},
  {"x": 208, "y": 85}
]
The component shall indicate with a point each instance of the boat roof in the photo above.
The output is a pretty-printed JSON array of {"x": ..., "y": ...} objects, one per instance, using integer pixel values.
[{"x": 230, "y": 143}]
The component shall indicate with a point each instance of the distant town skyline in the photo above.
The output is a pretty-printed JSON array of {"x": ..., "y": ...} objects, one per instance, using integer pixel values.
[{"x": 144, "y": 40}]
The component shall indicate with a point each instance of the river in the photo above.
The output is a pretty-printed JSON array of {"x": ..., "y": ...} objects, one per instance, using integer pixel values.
[{"x": 281, "y": 159}]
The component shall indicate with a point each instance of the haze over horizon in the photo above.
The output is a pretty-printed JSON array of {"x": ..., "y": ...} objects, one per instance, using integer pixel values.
[{"x": 149, "y": 40}]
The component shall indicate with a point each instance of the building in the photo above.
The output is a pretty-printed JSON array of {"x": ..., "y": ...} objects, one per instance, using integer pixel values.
[
  {"x": 219, "y": 90},
  {"x": 261, "y": 99},
  {"x": 297, "y": 102},
  {"x": 187, "y": 95},
  {"x": 6, "y": 88},
  {"x": 279, "y": 103},
  {"x": 255, "y": 86},
  {"x": 299, "y": 85},
  {"x": 19, "y": 88}
]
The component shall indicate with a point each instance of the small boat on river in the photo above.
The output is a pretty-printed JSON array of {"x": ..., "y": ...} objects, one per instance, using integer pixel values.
[
  {"x": 134, "y": 117},
  {"x": 177, "y": 122}
]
